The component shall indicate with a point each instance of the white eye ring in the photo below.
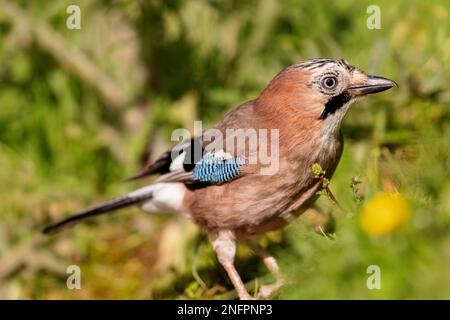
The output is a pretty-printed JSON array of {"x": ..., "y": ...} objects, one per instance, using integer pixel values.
[{"x": 329, "y": 83}]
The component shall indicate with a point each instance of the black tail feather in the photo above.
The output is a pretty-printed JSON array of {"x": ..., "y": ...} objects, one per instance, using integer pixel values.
[{"x": 103, "y": 208}]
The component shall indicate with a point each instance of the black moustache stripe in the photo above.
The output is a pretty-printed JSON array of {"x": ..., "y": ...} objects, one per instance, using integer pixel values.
[{"x": 335, "y": 103}]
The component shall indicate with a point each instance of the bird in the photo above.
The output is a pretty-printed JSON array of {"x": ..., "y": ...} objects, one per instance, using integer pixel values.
[{"x": 226, "y": 181}]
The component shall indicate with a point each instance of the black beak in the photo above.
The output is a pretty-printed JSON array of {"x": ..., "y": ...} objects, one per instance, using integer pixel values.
[{"x": 374, "y": 84}]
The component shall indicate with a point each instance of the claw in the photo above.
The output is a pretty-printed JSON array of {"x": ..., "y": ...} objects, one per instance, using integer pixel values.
[{"x": 269, "y": 291}]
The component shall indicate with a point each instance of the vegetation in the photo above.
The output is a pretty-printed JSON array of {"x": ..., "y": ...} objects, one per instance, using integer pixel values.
[{"x": 80, "y": 110}]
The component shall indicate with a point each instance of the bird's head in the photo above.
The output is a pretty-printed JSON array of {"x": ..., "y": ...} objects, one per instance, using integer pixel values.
[{"x": 321, "y": 89}]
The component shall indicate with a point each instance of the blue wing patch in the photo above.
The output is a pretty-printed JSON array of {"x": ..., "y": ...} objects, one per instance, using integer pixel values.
[{"x": 216, "y": 169}]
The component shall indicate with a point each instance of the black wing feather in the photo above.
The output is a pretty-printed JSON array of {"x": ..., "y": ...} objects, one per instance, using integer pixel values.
[{"x": 193, "y": 150}]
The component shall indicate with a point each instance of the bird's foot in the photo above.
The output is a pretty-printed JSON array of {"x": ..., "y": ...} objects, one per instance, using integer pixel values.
[
  {"x": 245, "y": 296},
  {"x": 268, "y": 291}
]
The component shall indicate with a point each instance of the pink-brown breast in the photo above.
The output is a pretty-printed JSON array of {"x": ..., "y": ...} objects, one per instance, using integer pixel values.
[{"x": 256, "y": 203}]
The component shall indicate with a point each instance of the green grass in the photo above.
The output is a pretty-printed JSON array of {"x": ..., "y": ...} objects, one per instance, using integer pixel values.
[{"x": 65, "y": 145}]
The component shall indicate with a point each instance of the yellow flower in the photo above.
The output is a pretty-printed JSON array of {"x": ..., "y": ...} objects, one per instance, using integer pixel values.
[{"x": 384, "y": 213}]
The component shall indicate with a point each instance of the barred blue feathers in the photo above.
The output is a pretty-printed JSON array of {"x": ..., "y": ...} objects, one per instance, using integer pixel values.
[{"x": 217, "y": 169}]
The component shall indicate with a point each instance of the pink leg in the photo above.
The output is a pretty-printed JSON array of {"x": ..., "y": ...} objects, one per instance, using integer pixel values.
[
  {"x": 267, "y": 291},
  {"x": 224, "y": 243}
]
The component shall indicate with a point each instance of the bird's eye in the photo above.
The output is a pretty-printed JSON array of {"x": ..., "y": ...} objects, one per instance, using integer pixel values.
[{"x": 329, "y": 83}]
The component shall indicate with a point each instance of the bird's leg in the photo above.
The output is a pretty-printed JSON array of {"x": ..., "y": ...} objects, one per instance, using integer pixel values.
[
  {"x": 224, "y": 244},
  {"x": 267, "y": 291}
]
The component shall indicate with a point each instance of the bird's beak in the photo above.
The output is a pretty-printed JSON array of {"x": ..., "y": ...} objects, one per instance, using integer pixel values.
[{"x": 373, "y": 84}]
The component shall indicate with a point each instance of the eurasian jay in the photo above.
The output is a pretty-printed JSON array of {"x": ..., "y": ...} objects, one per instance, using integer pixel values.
[{"x": 222, "y": 180}]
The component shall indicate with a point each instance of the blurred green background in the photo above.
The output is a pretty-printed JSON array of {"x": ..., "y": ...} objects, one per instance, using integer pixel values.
[{"x": 80, "y": 110}]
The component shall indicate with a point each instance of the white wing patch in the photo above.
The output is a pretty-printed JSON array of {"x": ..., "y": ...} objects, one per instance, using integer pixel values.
[
  {"x": 223, "y": 155},
  {"x": 177, "y": 163},
  {"x": 167, "y": 197}
]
